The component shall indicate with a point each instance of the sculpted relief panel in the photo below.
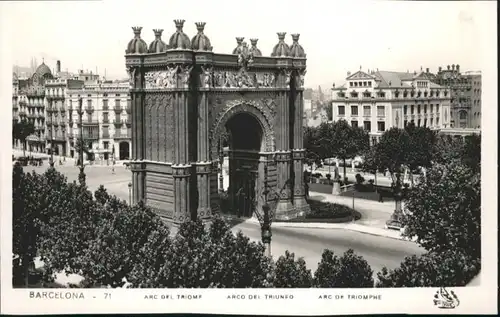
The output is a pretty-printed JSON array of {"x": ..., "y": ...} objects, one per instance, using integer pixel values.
[
  {"x": 243, "y": 79},
  {"x": 168, "y": 78}
]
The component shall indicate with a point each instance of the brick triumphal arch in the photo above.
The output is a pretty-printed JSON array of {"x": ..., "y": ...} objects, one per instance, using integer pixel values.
[{"x": 185, "y": 96}]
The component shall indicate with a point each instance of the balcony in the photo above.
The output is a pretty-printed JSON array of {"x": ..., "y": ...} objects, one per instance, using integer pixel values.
[
  {"x": 117, "y": 122},
  {"x": 89, "y": 109},
  {"x": 105, "y": 135},
  {"x": 105, "y": 120},
  {"x": 90, "y": 123},
  {"x": 87, "y": 136},
  {"x": 15, "y": 106},
  {"x": 118, "y": 109},
  {"x": 122, "y": 135},
  {"x": 31, "y": 115},
  {"x": 105, "y": 107},
  {"x": 129, "y": 109}
]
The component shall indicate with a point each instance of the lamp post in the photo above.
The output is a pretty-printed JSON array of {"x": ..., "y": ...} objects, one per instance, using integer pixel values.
[
  {"x": 265, "y": 217},
  {"x": 81, "y": 176},
  {"x": 221, "y": 164},
  {"x": 130, "y": 193}
]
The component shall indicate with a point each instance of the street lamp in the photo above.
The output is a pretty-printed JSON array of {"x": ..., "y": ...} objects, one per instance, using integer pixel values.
[
  {"x": 266, "y": 217},
  {"x": 130, "y": 193},
  {"x": 395, "y": 221},
  {"x": 81, "y": 176},
  {"x": 221, "y": 164}
]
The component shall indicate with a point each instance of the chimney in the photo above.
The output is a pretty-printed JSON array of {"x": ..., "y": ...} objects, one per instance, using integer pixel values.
[
  {"x": 440, "y": 68},
  {"x": 453, "y": 67},
  {"x": 427, "y": 70},
  {"x": 448, "y": 67},
  {"x": 458, "y": 68},
  {"x": 58, "y": 67}
]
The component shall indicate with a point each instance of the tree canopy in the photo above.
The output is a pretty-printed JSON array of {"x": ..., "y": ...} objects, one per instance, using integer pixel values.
[{"x": 21, "y": 130}]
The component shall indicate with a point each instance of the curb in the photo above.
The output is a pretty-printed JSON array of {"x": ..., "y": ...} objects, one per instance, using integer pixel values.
[{"x": 346, "y": 226}]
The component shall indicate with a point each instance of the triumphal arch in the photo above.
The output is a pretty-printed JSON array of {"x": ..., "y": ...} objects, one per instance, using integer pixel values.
[{"x": 185, "y": 97}]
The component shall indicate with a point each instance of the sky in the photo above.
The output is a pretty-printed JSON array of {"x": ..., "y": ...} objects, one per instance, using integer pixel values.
[{"x": 338, "y": 36}]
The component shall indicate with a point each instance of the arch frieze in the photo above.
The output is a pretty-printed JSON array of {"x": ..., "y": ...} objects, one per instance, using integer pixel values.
[{"x": 261, "y": 112}]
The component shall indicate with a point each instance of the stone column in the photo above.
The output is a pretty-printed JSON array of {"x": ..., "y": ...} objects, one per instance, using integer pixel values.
[
  {"x": 181, "y": 168},
  {"x": 137, "y": 103},
  {"x": 299, "y": 201},
  {"x": 203, "y": 164}
]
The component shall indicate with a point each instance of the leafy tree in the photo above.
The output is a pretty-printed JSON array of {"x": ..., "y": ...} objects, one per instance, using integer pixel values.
[
  {"x": 348, "y": 271},
  {"x": 21, "y": 130},
  {"x": 291, "y": 273},
  {"x": 341, "y": 140},
  {"x": 392, "y": 151},
  {"x": 25, "y": 228},
  {"x": 79, "y": 144},
  {"x": 329, "y": 110},
  {"x": 421, "y": 145},
  {"x": 312, "y": 145},
  {"x": 444, "y": 269},
  {"x": 444, "y": 210},
  {"x": 471, "y": 152}
]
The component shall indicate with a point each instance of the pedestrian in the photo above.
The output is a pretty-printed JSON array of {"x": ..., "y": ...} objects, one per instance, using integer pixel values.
[
  {"x": 113, "y": 167},
  {"x": 380, "y": 197}
]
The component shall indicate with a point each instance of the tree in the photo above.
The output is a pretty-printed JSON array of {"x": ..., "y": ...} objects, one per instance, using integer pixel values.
[
  {"x": 348, "y": 271},
  {"x": 21, "y": 130},
  {"x": 312, "y": 145},
  {"x": 341, "y": 140},
  {"x": 392, "y": 151},
  {"x": 444, "y": 210},
  {"x": 329, "y": 110},
  {"x": 471, "y": 152},
  {"x": 291, "y": 273},
  {"x": 421, "y": 145},
  {"x": 446, "y": 269}
]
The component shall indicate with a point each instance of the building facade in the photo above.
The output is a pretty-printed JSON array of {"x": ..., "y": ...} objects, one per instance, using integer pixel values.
[
  {"x": 465, "y": 96},
  {"x": 105, "y": 119},
  {"x": 57, "y": 115},
  {"x": 380, "y": 100},
  {"x": 28, "y": 103}
]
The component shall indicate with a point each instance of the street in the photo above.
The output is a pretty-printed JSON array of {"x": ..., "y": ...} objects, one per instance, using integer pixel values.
[{"x": 308, "y": 243}]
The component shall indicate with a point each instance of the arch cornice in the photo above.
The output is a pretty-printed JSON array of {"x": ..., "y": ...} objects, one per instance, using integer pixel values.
[{"x": 255, "y": 108}]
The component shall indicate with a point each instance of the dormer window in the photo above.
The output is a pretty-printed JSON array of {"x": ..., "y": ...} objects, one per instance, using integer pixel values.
[
  {"x": 396, "y": 94},
  {"x": 405, "y": 94},
  {"x": 381, "y": 94},
  {"x": 355, "y": 84},
  {"x": 445, "y": 93},
  {"x": 341, "y": 94},
  {"x": 412, "y": 94},
  {"x": 354, "y": 94},
  {"x": 432, "y": 93},
  {"x": 367, "y": 94},
  {"x": 419, "y": 94},
  {"x": 350, "y": 84},
  {"x": 425, "y": 94},
  {"x": 369, "y": 84}
]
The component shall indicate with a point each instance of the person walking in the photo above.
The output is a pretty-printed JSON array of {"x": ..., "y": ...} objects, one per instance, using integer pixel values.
[{"x": 380, "y": 196}]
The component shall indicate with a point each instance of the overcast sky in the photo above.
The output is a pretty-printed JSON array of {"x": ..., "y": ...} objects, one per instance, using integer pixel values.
[{"x": 338, "y": 36}]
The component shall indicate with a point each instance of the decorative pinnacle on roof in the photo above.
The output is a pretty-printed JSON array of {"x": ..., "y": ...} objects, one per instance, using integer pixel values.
[
  {"x": 281, "y": 49},
  {"x": 179, "y": 40},
  {"x": 200, "y": 41},
  {"x": 239, "y": 42},
  {"x": 137, "y": 45},
  {"x": 254, "y": 50},
  {"x": 296, "y": 50},
  {"x": 157, "y": 46}
]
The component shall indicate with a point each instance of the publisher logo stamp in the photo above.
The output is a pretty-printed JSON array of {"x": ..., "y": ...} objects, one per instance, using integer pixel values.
[{"x": 446, "y": 300}]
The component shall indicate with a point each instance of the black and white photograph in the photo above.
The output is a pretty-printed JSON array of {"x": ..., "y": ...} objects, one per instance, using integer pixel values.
[{"x": 229, "y": 155}]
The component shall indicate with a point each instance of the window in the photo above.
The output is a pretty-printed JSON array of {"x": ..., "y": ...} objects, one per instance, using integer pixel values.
[
  {"x": 367, "y": 125},
  {"x": 89, "y": 118},
  {"x": 381, "y": 94},
  {"x": 350, "y": 84},
  {"x": 367, "y": 111},
  {"x": 425, "y": 108},
  {"x": 418, "y": 109},
  {"x": 354, "y": 94},
  {"x": 418, "y": 122},
  {"x": 381, "y": 111},
  {"x": 105, "y": 132},
  {"x": 405, "y": 123},
  {"x": 369, "y": 84},
  {"x": 105, "y": 94},
  {"x": 89, "y": 103},
  {"x": 425, "y": 123},
  {"x": 381, "y": 126},
  {"x": 360, "y": 83},
  {"x": 463, "y": 115},
  {"x": 355, "y": 84},
  {"x": 354, "y": 123},
  {"x": 364, "y": 84},
  {"x": 367, "y": 94},
  {"x": 396, "y": 94},
  {"x": 105, "y": 105},
  {"x": 405, "y": 110},
  {"x": 117, "y": 95},
  {"x": 105, "y": 144},
  {"x": 354, "y": 110},
  {"x": 105, "y": 117},
  {"x": 341, "y": 110},
  {"x": 437, "y": 108},
  {"x": 432, "y": 108},
  {"x": 117, "y": 103}
]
